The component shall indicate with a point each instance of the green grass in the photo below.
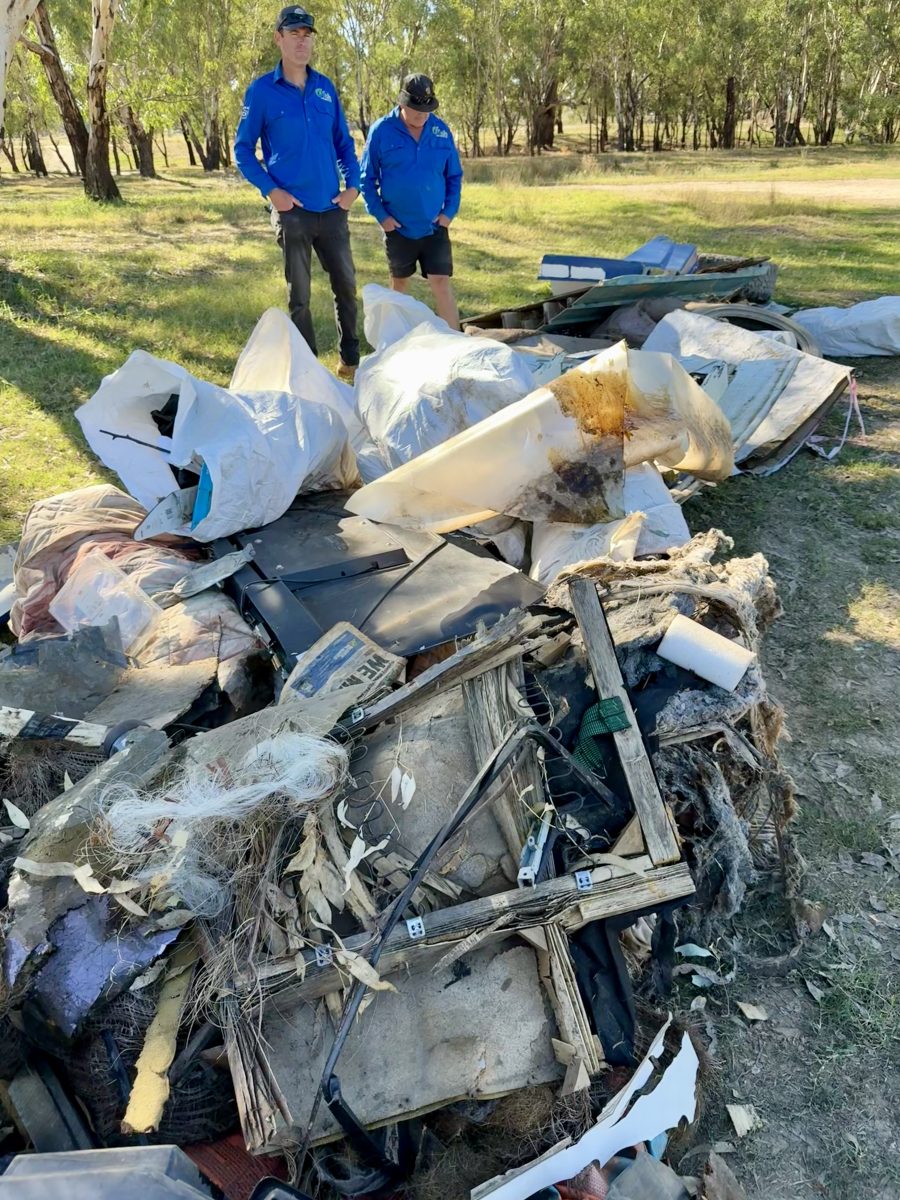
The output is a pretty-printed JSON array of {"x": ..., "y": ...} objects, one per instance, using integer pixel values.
[{"x": 188, "y": 263}]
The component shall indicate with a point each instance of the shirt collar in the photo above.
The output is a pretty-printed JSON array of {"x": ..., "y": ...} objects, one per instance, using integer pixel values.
[
  {"x": 395, "y": 114},
  {"x": 311, "y": 74}
]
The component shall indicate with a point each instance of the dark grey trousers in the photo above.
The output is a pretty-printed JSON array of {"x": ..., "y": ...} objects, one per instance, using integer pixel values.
[{"x": 328, "y": 233}]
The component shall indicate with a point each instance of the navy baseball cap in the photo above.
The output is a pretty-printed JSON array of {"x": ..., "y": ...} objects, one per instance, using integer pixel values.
[
  {"x": 294, "y": 17},
  {"x": 417, "y": 92}
]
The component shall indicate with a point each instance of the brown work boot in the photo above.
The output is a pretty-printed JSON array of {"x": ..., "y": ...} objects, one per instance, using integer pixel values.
[{"x": 345, "y": 371}]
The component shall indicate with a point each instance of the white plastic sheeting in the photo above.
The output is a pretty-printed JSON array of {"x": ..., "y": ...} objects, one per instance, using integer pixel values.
[
  {"x": 278, "y": 359},
  {"x": 261, "y": 447},
  {"x": 792, "y": 414},
  {"x": 872, "y": 327},
  {"x": 655, "y": 524},
  {"x": 430, "y": 384},
  {"x": 559, "y": 454},
  {"x": 388, "y": 316}
]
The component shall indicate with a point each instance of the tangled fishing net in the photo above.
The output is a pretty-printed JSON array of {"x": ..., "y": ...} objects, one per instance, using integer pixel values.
[{"x": 198, "y": 837}]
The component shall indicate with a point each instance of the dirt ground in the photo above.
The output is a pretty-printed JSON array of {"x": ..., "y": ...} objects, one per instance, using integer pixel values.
[{"x": 822, "y": 1070}]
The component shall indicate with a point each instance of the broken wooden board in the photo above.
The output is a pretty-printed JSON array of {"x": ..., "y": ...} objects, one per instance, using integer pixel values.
[
  {"x": 613, "y": 891},
  {"x": 476, "y": 1030},
  {"x": 656, "y": 821}
]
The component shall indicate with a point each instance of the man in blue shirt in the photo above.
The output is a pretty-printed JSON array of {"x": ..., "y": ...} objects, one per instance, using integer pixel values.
[
  {"x": 295, "y": 113},
  {"x": 411, "y": 181}
]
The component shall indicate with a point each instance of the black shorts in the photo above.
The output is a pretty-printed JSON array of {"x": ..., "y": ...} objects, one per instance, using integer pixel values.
[{"x": 433, "y": 253}]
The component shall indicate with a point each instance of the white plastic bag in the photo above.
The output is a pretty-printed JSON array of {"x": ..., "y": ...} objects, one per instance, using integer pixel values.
[
  {"x": 261, "y": 448},
  {"x": 95, "y": 592},
  {"x": 426, "y": 383},
  {"x": 389, "y": 316},
  {"x": 872, "y": 327},
  {"x": 555, "y": 546},
  {"x": 276, "y": 358},
  {"x": 655, "y": 524}
]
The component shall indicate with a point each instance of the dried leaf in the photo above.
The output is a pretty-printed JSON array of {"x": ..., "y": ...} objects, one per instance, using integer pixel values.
[
  {"x": 118, "y": 887},
  {"x": 753, "y": 1012},
  {"x": 67, "y": 781},
  {"x": 816, "y": 992},
  {"x": 84, "y": 877},
  {"x": 174, "y": 918},
  {"x": 358, "y": 851},
  {"x": 330, "y": 881},
  {"x": 363, "y": 970},
  {"x": 306, "y": 855},
  {"x": 407, "y": 790},
  {"x": 16, "y": 815},
  {"x": 129, "y": 905},
  {"x": 396, "y": 780},
  {"x": 692, "y": 950},
  {"x": 341, "y": 812},
  {"x": 149, "y": 976},
  {"x": 319, "y": 905}
]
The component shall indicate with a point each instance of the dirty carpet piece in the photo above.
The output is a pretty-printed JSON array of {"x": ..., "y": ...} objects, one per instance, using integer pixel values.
[
  {"x": 150, "y": 1089},
  {"x": 479, "y": 1028}
]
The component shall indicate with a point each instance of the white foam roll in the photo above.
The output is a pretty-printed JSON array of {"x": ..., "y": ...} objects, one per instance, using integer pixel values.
[{"x": 709, "y": 655}]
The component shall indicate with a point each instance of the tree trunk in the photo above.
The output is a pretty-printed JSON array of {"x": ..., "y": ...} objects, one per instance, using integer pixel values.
[
  {"x": 604, "y": 128},
  {"x": 729, "y": 125},
  {"x": 58, "y": 153},
  {"x": 226, "y": 145},
  {"x": 98, "y": 181},
  {"x": 141, "y": 142},
  {"x": 34, "y": 155},
  {"x": 115, "y": 150},
  {"x": 543, "y": 121},
  {"x": 9, "y": 149},
  {"x": 186, "y": 134},
  {"x": 13, "y": 16},
  {"x": 73, "y": 121},
  {"x": 163, "y": 148}
]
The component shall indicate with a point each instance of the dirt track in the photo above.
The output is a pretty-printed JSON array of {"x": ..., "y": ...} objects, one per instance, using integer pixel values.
[{"x": 879, "y": 193}]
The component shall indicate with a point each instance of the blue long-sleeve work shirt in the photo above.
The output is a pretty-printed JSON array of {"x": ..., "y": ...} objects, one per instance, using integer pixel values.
[
  {"x": 412, "y": 181},
  {"x": 304, "y": 138}
]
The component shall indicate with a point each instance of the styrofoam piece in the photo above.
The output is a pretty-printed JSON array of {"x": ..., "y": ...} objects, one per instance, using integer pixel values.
[{"x": 691, "y": 645}]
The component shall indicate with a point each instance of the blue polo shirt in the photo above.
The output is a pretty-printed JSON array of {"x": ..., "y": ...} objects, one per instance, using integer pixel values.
[
  {"x": 304, "y": 138},
  {"x": 411, "y": 181}
]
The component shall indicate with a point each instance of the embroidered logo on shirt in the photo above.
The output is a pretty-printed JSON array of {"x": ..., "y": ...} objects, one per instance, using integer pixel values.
[
  {"x": 245, "y": 111},
  {"x": 323, "y": 95},
  {"x": 441, "y": 133}
]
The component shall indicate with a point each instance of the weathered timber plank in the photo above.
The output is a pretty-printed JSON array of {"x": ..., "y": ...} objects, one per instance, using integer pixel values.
[{"x": 656, "y": 820}]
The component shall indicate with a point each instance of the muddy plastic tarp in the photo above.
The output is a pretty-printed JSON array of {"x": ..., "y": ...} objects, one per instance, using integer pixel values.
[{"x": 564, "y": 449}]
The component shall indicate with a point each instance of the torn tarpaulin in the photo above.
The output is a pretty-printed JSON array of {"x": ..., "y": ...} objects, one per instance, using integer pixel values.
[{"x": 618, "y": 1126}]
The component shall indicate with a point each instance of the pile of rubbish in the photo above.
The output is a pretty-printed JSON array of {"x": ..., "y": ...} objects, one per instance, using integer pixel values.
[{"x": 368, "y": 762}]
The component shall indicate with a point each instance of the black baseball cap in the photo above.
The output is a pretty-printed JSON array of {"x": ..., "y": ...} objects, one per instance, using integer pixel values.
[
  {"x": 417, "y": 92},
  {"x": 294, "y": 17}
]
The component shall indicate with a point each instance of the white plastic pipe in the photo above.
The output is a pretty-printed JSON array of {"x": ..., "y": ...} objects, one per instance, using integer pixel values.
[{"x": 709, "y": 655}]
